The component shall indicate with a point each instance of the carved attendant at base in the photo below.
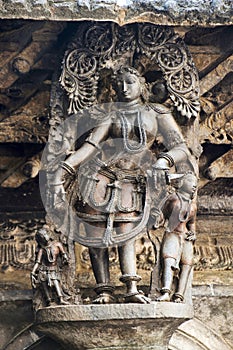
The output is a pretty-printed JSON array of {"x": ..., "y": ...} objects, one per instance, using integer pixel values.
[
  {"x": 118, "y": 184},
  {"x": 46, "y": 271},
  {"x": 179, "y": 214}
]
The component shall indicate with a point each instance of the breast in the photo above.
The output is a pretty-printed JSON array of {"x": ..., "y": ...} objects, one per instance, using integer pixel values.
[{"x": 149, "y": 123}]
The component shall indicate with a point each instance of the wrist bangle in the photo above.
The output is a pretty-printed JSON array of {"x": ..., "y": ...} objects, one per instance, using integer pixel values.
[
  {"x": 68, "y": 168},
  {"x": 168, "y": 157},
  {"x": 57, "y": 184},
  {"x": 93, "y": 144}
]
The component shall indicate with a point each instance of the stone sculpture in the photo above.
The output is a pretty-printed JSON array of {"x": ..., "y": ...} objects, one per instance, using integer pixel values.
[
  {"x": 46, "y": 273},
  {"x": 117, "y": 200},
  {"x": 179, "y": 216},
  {"x": 108, "y": 166}
]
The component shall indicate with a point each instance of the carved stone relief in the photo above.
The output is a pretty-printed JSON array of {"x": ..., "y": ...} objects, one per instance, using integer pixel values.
[
  {"x": 17, "y": 244},
  {"x": 161, "y": 68},
  {"x": 213, "y": 250},
  {"x": 214, "y": 128},
  {"x": 210, "y": 49}
]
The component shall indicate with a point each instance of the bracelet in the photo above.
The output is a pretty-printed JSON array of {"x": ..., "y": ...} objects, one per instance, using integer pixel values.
[
  {"x": 165, "y": 290},
  {"x": 57, "y": 184},
  {"x": 128, "y": 277},
  {"x": 68, "y": 168},
  {"x": 168, "y": 157},
  {"x": 93, "y": 144}
]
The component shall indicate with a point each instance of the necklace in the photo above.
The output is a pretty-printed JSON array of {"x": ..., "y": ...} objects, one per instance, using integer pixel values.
[{"x": 125, "y": 131}]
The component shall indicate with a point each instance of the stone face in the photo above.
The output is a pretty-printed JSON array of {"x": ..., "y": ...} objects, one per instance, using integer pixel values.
[{"x": 123, "y": 11}]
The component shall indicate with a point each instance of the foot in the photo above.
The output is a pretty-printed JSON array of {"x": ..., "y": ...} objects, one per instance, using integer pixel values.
[
  {"x": 104, "y": 298},
  {"x": 137, "y": 297},
  {"x": 178, "y": 298},
  {"x": 62, "y": 301},
  {"x": 48, "y": 302},
  {"x": 164, "y": 297}
]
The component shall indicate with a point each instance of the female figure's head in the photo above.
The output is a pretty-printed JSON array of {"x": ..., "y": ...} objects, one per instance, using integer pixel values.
[{"x": 128, "y": 84}]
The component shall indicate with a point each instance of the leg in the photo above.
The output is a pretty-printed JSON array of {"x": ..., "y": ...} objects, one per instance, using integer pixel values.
[
  {"x": 127, "y": 257},
  {"x": 167, "y": 279},
  {"x": 46, "y": 293},
  {"x": 186, "y": 267},
  {"x": 170, "y": 254},
  {"x": 99, "y": 256},
  {"x": 58, "y": 289},
  {"x": 100, "y": 265},
  {"x": 184, "y": 275}
]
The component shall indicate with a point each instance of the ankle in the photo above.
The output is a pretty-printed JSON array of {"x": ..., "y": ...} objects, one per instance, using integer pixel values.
[
  {"x": 165, "y": 291},
  {"x": 104, "y": 288}
]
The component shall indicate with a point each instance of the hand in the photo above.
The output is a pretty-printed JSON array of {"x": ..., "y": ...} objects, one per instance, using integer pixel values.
[
  {"x": 58, "y": 194},
  {"x": 33, "y": 280},
  {"x": 65, "y": 259},
  {"x": 156, "y": 218},
  {"x": 190, "y": 236},
  {"x": 159, "y": 178}
]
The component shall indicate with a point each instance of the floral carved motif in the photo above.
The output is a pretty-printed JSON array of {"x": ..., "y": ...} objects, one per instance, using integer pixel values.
[{"x": 105, "y": 46}]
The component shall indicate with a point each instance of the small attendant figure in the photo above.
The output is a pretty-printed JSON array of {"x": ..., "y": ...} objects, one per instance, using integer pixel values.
[
  {"x": 179, "y": 214},
  {"x": 46, "y": 271}
]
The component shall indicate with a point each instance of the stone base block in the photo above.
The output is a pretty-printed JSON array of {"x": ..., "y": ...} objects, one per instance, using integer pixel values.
[{"x": 114, "y": 326}]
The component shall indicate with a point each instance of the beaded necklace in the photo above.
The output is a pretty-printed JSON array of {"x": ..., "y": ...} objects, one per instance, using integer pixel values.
[{"x": 125, "y": 132}]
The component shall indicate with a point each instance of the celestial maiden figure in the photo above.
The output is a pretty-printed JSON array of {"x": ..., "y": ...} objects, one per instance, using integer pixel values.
[{"x": 113, "y": 194}]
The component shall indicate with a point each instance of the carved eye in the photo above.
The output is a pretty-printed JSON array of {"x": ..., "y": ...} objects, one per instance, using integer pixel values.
[{"x": 130, "y": 81}]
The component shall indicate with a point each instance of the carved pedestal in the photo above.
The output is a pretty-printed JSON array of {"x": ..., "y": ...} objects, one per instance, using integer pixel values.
[{"x": 121, "y": 326}]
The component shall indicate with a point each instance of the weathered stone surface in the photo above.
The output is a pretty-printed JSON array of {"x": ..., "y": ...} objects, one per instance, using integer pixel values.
[
  {"x": 169, "y": 12},
  {"x": 118, "y": 312},
  {"x": 216, "y": 312},
  {"x": 212, "y": 305},
  {"x": 113, "y": 326},
  {"x": 196, "y": 335},
  {"x": 14, "y": 316},
  {"x": 216, "y": 198}
]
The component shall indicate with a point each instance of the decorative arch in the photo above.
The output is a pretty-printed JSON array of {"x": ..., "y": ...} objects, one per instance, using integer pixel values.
[
  {"x": 195, "y": 335},
  {"x": 145, "y": 46}
]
